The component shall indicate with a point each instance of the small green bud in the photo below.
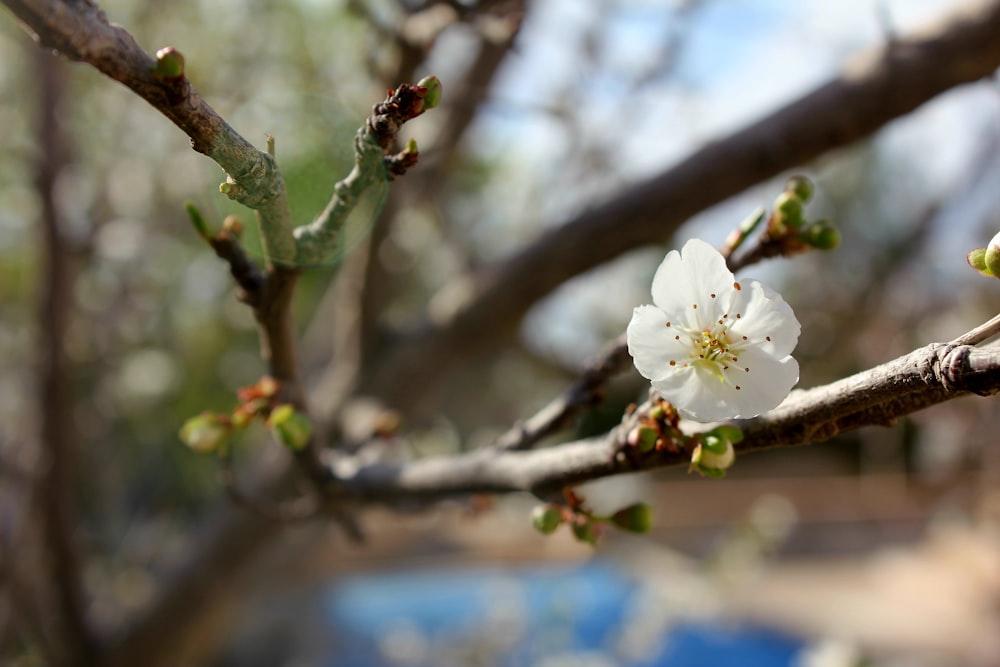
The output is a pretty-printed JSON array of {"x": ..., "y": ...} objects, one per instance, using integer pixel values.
[
  {"x": 585, "y": 531},
  {"x": 821, "y": 235},
  {"x": 206, "y": 433},
  {"x": 169, "y": 63},
  {"x": 977, "y": 260},
  {"x": 992, "y": 256},
  {"x": 788, "y": 209},
  {"x": 546, "y": 519},
  {"x": 411, "y": 146},
  {"x": 291, "y": 427},
  {"x": 800, "y": 186},
  {"x": 434, "y": 90},
  {"x": 657, "y": 412},
  {"x": 714, "y": 444},
  {"x": 637, "y": 518},
  {"x": 198, "y": 221},
  {"x": 643, "y": 437},
  {"x": 708, "y": 460}
]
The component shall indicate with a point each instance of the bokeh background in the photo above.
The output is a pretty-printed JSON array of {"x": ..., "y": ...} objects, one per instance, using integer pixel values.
[{"x": 879, "y": 547}]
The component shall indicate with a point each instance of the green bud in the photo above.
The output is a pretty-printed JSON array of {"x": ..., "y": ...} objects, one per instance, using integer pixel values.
[
  {"x": 992, "y": 256},
  {"x": 643, "y": 437},
  {"x": 637, "y": 518},
  {"x": 788, "y": 208},
  {"x": 657, "y": 412},
  {"x": 169, "y": 63},
  {"x": 800, "y": 186},
  {"x": 434, "y": 90},
  {"x": 712, "y": 462},
  {"x": 714, "y": 444},
  {"x": 206, "y": 433},
  {"x": 821, "y": 235},
  {"x": 977, "y": 260},
  {"x": 585, "y": 531},
  {"x": 198, "y": 221},
  {"x": 291, "y": 427},
  {"x": 546, "y": 519},
  {"x": 411, "y": 146}
]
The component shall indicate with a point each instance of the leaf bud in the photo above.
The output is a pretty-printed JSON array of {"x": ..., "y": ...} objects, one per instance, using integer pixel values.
[
  {"x": 788, "y": 209},
  {"x": 977, "y": 260},
  {"x": 821, "y": 235},
  {"x": 169, "y": 63},
  {"x": 800, "y": 186},
  {"x": 434, "y": 90},
  {"x": 992, "y": 255},
  {"x": 584, "y": 530},
  {"x": 197, "y": 220},
  {"x": 643, "y": 437},
  {"x": 637, "y": 518},
  {"x": 546, "y": 518},
  {"x": 206, "y": 433},
  {"x": 290, "y": 427}
]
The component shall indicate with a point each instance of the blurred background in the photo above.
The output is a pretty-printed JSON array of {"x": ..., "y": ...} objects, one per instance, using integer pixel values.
[{"x": 879, "y": 547}]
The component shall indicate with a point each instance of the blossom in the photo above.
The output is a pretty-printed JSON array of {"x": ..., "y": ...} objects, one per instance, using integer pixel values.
[{"x": 716, "y": 348}]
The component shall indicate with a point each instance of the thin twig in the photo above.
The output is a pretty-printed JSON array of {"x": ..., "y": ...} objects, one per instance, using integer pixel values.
[{"x": 585, "y": 393}]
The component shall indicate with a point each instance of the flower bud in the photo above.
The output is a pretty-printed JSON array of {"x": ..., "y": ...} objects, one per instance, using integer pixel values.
[
  {"x": 800, "y": 186},
  {"x": 821, "y": 235},
  {"x": 434, "y": 90},
  {"x": 546, "y": 519},
  {"x": 788, "y": 209},
  {"x": 206, "y": 433},
  {"x": 290, "y": 427},
  {"x": 169, "y": 63},
  {"x": 584, "y": 530},
  {"x": 637, "y": 518},
  {"x": 643, "y": 437},
  {"x": 977, "y": 260},
  {"x": 713, "y": 455},
  {"x": 992, "y": 256}
]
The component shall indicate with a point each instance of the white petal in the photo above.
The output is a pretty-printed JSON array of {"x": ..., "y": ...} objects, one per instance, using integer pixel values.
[
  {"x": 766, "y": 385},
  {"x": 700, "y": 395},
  {"x": 766, "y": 320},
  {"x": 651, "y": 343},
  {"x": 690, "y": 277},
  {"x": 697, "y": 394}
]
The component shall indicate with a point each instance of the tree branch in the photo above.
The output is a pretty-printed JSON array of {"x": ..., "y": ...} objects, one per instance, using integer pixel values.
[
  {"x": 879, "y": 396},
  {"x": 876, "y": 88},
  {"x": 55, "y": 486}
]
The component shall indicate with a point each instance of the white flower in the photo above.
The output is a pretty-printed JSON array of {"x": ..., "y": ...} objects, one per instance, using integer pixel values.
[{"x": 716, "y": 348}]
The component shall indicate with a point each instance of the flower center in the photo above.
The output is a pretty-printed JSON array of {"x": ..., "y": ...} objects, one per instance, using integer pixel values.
[{"x": 712, "y": 349}]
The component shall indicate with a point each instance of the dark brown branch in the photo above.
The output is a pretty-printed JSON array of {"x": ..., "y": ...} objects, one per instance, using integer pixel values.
[
  {"x": 56, "y": 485},
  {"x": 876, "y": 88},
  {"x": 879, "y": 396}
]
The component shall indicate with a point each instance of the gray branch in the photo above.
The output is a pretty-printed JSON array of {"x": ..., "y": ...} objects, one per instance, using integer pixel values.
[{"x": 879, "y": 396}]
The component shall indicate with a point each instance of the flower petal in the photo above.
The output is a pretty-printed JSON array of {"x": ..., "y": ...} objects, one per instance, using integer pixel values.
[
  {"x": 766, "y": 320},
  {"x": 766, "y": 385},
  {"x": 697, "y": 394},
  {"x": 691, "y": 277},
  {"x": 651, "y": 343}
]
